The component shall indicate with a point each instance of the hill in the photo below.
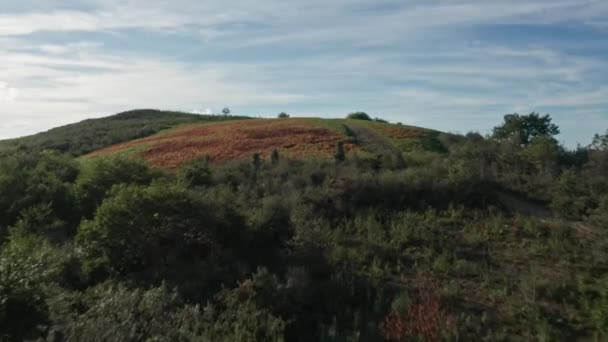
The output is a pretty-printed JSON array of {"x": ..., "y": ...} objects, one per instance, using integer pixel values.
[
  {"x": 297, "y": 138},
  {"x": 92, "y": 134},
  {"x": 412, "y": 234}
]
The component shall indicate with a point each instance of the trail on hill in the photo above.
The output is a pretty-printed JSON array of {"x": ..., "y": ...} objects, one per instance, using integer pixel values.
[{"x": 371, "y": 140}]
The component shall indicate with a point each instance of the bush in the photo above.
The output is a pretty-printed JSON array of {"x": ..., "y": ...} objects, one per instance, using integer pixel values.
[
  {"x": 30, "y": 179},
  {"x": 99, "y": 175},
  {"x": 283, "y": 115},
  {"x": 152, "y": 233},
  {"x": 28, "y": 265},
  {"x": 116, "y": 313},
  {"x": 195, "y": 174},
  {"x": 359, "y": 116}
]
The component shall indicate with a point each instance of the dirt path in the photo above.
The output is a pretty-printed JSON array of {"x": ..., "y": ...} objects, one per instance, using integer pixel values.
[{"x": 372, "y": 141}]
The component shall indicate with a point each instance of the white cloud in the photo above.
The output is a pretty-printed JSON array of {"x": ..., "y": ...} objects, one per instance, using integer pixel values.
[{"x": 8, "y": 93}]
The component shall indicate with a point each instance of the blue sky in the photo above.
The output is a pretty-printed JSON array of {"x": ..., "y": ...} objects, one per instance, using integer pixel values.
[{"x": 453, "y": 65}]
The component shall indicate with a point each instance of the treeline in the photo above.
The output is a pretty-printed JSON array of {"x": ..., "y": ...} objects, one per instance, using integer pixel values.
[
  {"x": 93, "y": 134},
  {"x": 356, "y": 248}
]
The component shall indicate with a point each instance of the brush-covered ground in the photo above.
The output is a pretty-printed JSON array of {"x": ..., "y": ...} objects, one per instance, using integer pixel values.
[
  {"x": 296, "y": 138},
  {"x": 368, "y": 231}
]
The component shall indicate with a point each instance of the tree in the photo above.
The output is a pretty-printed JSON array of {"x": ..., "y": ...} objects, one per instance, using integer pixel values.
[
  {"x": 283, "y": 115},
  {"x": 600, "y": 142},
  {"x": 543, "y": 153},
  {"x": 359, "y": 116},
  {"x": 524, "y": 128},
  {"x": 598, "y": 153},
  {"x": 226, "y": 111}
]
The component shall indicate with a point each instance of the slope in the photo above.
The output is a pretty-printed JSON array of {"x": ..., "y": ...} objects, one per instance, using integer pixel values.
[
  {"x": 294, "y": 138},
  {"x": 93, "y": 134}
]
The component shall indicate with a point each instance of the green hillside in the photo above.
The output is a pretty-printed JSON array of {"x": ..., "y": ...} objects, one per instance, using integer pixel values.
[
  {"x": 89, "y": 135},
  {"x": 307, "y": 230}
]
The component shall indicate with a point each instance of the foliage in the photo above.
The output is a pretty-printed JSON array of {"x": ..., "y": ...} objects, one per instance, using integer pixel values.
[
  {"x": 359, "y": 116},
  {"x": 27, "y": 264},
  {"x": 460, "y": 237},
  {"x": 152, "y": 233},
  {"x": 195, "y": 174},
  {"x": 99, "y": 175},
  {"x": 524, "y": 128},
  {"x": 29, "y": 179},
  {"x": 283, "y": 115},
  {"x": 93, "y": 134}
]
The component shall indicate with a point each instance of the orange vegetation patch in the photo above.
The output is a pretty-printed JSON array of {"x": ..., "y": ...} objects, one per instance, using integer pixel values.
[{"x": 294, "y": 138}]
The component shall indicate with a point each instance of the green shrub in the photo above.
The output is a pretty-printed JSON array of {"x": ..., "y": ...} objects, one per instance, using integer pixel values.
[
  {"x": 28, "y": 266},
  {"x": 152, "y": 232},
  {"x": 359, "y": 116},
  {"x": 99, "y": 175}
]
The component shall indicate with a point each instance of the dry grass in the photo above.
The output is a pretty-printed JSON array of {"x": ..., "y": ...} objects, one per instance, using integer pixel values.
[{"x": 294, "y": 138}]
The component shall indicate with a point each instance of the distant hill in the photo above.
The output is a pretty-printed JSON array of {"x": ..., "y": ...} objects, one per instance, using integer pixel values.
[
  {"x": 298, "y": 138},
  {"x": 93, "y": 134},
  {"x": 169, "y": 139}
]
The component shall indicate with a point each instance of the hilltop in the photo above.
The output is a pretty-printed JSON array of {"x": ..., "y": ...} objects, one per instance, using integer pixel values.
[{"x": 170, "y": 139}]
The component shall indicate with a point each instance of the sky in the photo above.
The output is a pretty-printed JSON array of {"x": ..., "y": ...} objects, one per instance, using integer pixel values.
[{"x": 451, "y": 65}]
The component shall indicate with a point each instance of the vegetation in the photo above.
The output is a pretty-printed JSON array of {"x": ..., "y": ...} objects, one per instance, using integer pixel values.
[
  {"x": 232, "y": 140},
  {"x": 93, "y": 134},
  {"x": 359, "y": 116},
  {"x": 468, "y": 238}
]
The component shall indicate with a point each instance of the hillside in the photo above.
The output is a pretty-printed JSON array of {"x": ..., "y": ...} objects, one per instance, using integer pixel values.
[
  {"x": 410, "y": 235},
  {"x": 92, "y": 134},
  {"x": 297, "y": 138}
]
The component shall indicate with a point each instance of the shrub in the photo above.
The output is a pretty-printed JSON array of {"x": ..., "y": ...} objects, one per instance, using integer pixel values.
[
  {"x": 152, "y": 233},
  {"x": 195, "y": 174},
  {"x": 283, "y": 115},
  {"x": 99, "y": 175},
  {"x": 359, "y": 116},
  {"x": 30, "y": 179},
  {"x": 27, "y": 265}
]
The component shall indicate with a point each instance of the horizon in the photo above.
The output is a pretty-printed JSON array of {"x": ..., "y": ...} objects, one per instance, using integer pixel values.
[{"x": 453, "y": 66}]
